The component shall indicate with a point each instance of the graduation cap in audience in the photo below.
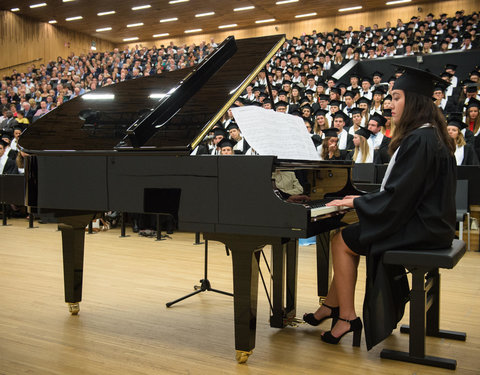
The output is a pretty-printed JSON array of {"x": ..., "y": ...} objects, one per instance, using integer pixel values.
[
  {"x": 340, "y": 114},
  {"x": 456, "y": 119},
  {"x": 366, "y": 79},
  {"x": 473, "y": 103},
  {"x": 320, "y": 112},
  {"x": 226, "y": 142},
  {"x": 281, "y": 103},
  {"x": 379, "y": 119},
  {"x": 232, "y": 125},
  {"x": 309, "y": 120},
  {"x": 287, "y": 82},
  {"x": 335, "y": 103},
  {"x": 472, "y": 87},
  {"x": 219, "y": 131},
  {"x": 356, "y": 111},
  {"x": 309, "y": 91},
  {"x": 349, "y": 94},
  {"x": 451, "y": 66},
  {"x": 474, "y": 73},
  {"x": 335, "y": 90},
  {"x": 3, "y": 143},
  {"x": 387, "y": 112},
  {"x": 416, "y": 81},
  {"x": 379, "y": 90},
  {"x": 364, "y": 132},
  {"x": 388, "y": 97},
  {"x": 377, "y": 74},
  {"x": 363, "y": 99},
  {"x": 323, "y": 97},
  {"x": 330, "y": 132}
]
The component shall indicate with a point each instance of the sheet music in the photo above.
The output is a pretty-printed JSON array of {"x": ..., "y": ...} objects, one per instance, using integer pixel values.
[{"x": 275, "y": 133}]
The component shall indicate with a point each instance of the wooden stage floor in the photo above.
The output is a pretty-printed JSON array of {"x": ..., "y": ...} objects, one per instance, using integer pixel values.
[{"x": 124, "y": 327}]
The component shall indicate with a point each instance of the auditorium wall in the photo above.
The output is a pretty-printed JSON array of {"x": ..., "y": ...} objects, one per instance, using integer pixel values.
[{"x": 24, "y": 41}]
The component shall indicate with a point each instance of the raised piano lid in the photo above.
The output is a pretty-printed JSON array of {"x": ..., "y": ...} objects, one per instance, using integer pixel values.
[{"x": 97, "y": 121}]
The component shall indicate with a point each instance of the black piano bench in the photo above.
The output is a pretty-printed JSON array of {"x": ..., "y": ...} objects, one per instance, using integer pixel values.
[{"x": 425, "y": 301}]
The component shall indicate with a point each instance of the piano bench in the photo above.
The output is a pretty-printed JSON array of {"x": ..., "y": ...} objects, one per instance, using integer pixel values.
[{"x": 425, "y": 301}]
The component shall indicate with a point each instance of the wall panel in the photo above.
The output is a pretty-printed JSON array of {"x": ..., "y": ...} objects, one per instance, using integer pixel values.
[{"x": 23, "y": 40}]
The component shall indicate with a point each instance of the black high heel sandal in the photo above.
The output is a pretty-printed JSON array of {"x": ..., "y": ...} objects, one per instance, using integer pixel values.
[
  {"x": 355, "y": 327},
  {"x": 310, "y": 318}
]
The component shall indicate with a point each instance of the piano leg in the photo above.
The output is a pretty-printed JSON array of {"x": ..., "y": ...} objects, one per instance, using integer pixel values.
[
  {"x": 73, "y": 239},
  {"x": 284, "y": 269},
  {"x": 245, "y": 256},
  {"x": 324, "y": 266}
]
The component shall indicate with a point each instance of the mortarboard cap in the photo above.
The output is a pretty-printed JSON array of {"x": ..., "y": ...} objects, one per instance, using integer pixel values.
[
  {"x": 281, "y": 103},
  {"x": 377, "y": 117},
  {"x": 349, "y": 93},
  {"x": 335, "y": 103},
  {"x": 387, "y": 112},
  {"x": 340, "y": 114},
  {"x": 3, "y": 143},
  {"x": 379, "y": 91},
  {"x": 450, "y": 66},
  {"x": 377, "y": 74},
  {"x": 364, "y": 132},
  {"x": 323, "y": 97},
  {"x": 219, "y": 131},
  {"x": 320, "y": 112},
  {"x": 356, "y": 111},
  {"x": 416, "y": 81},
  {"x": 456, "y": 119},
  {"x": 232, "y": 125},
  {"x": 473, "y": 103},
  {"x": 363, "y": 99},
  {"x": 330, "y": 132},
  {"x": 225, "y": 142},
  {"x": 472, "y": 87},
  {"x": 335, "y": 90}
]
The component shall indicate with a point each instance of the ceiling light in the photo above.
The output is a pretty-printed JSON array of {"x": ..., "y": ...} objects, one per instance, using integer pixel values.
[
  {"x": 286, "y": 2},
  {"x": 397, "y": 2},
  {"x": 169, "y": 19},
  {"x": 160, "y": 35},
  {"x": 73, "y": 18},
  {"x": 192, "y": 31},
  {"x": 67, "y": 1},
  {"x": 351, "y": 8},
  {"x": 52, "y": 21},
  {"x": 135, "y": 24},
  {"x": 38, "y": 5},
  {"x": 306, "y": 15},
  {"x": 243, "y": 8},
  {"x": 142, "y": 7},
  {"x": 103, "y": 29},
  {"x": 205, "y": 14},
  {"x": 130, "y": 39},
  {"x": 14, "y": 9},
  {"x": 267, "y": 20},
  {"x": 157, "y": 96},
  {"x": 227, "y": 26},
  {"x": 177, "y": 1},
  {"x": 106, "y": 13}
]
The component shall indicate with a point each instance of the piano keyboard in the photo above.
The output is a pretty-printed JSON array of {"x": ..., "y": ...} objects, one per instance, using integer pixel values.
[{"x": 318, "y": 208}]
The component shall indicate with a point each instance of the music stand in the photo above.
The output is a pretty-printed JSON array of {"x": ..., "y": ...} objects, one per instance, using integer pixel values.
[{"x": 204, "y": 283}]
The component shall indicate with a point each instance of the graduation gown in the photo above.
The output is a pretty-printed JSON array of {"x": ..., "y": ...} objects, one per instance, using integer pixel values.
[
  {"x": 416, "y": 210},
  {"x": 469, "y": 156}
]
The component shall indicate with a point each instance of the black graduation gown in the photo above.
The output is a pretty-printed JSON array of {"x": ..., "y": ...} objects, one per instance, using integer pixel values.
[
  {"x": 415, "y": 211},
  {"x": 477, "y": 146},
  {"x": 10, "y": 167},
  {"x": 381, "y": 156},
  {"x": 469, "y": 137},
  {"x": 469, "y": 156}
]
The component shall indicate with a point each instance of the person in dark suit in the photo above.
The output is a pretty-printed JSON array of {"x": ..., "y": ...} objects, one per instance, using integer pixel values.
[{"x": 7, "y": 165}]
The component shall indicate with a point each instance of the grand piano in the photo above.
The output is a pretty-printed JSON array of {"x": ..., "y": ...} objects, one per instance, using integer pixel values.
[{"x": 126, "y": 147}]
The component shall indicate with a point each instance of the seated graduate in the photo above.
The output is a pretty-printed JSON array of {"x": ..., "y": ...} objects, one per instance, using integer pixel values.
[
  {"x": 345, "y": 140},
  {"x": 7, "y": 165},
  {"x": 226, "y": 146},
  {"x": 356, "y": 120},
  {"x": 329, "y": 150},
  {"x": 240, "y": 146},
  {"x": 414, "y": 209},
  {"x": 378, "y": 142},
  {"x": 362, "y": 152},
  {"x": 464, "y": 153}
]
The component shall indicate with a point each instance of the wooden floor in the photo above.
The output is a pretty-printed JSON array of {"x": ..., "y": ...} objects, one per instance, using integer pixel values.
[{"x": 124, "y": 327}]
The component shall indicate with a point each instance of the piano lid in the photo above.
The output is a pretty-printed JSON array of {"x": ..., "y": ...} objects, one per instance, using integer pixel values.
[{"x": 98, "y": 120}]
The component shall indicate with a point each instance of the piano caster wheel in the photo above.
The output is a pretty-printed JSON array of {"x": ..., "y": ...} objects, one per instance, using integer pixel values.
[
  {"x": 242, "y": 356},
  {"x": 74, "y": 307}
]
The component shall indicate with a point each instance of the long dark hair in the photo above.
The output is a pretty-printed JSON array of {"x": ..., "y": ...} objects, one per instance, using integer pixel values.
[{"x": 420, "y": 110}]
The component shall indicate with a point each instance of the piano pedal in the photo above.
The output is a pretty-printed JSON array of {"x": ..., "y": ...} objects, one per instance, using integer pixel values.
[{"x": 292, "y": 322}]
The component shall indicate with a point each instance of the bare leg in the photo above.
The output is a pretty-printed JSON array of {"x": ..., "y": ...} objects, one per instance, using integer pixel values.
[{"x": 345, "y": 263}]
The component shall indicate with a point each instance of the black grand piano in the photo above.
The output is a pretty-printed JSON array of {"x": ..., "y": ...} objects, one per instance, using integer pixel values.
[{"x": 126, "y": 147}]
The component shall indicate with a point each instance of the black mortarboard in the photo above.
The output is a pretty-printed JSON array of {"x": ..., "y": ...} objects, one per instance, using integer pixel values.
[
  {"x": 364, "y": 132},
  {"x": 379, "y": 90},
  {"x": 473, "y": 103},
  {"x": 377, "y": 73},
  {"x": 335, "y": 103},
  {"x": 321, "y": 112},
  {"x": 366, "y": 79},
  {"x": 282, "y": 92},
  {"x": 287, "y": 82},
  {"x": 416, "y": 81},
  {"x": 335, "y": 90},
  {"x": 3, "y": 143},
  {"x": 451, "y": 66},
  {"x": 446, "y": 74},
  {"x": 309, "y": 91},
  {"x": 472, "y": 87},
  {"x": 355, "y": 111},
  {"x": 456, "y": 119},
  {"x": 363, "y": 99},
  {"x": 379, "y": 119},
  {"x": 349, "y": 93},
  {"x": 219, "y": 131},
  {"x": 341, "y": 114},
  {"x": 281, "y": 103},
  {"x": 225, "y": 142},
  {"x": 330, "y": 132},
  {"x": 232, "y": 125},
  {"x": 474, "y": 73},
  {"x": 388, "y": 97},
  {"x": 387, "y": 112}
]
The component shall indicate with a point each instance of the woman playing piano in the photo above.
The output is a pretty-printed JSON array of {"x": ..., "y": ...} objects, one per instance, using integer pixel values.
[{"x": 415, "y": 208}]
